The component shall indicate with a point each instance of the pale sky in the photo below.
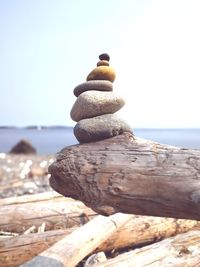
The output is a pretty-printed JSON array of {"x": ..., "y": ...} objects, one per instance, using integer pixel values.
[{"x": 48, "y": 47}]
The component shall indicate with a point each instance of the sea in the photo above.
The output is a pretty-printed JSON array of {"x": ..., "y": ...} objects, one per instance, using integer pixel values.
[{"x": 52, "y": 140}]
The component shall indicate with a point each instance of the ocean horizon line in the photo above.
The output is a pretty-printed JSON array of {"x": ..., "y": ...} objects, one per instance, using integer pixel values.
[
  {"x": 43, "y": 127},
  {"x": 49, "y": 139}
]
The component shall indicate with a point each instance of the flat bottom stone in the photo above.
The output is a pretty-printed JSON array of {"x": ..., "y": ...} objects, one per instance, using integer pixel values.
[{"x": 100, "y": 127}]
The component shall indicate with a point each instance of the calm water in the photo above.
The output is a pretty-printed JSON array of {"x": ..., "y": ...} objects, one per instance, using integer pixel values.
[{"x": 48, "y": 141}]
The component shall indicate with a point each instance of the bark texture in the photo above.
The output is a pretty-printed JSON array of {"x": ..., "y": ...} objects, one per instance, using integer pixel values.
[{"x": 130, "y": 175}]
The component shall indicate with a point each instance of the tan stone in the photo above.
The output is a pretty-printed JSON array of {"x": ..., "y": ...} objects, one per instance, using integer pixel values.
[
  {"x": 102, "y": 73},
  {"x": 102, "y": 63}
]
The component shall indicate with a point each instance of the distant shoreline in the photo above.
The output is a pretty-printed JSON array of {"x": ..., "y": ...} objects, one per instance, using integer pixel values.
[
  {"x": 58, "y": 127},
  {"x": 36, "y": 127},
  {"x": 50, "y": 139}
]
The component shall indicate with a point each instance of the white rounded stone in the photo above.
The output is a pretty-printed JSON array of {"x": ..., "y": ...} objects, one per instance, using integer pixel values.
[{"x": 94, "y": 103}]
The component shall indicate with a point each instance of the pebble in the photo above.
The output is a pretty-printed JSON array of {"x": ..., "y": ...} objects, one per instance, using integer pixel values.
[
  {"x": 102, "y": 73},
  {"x": 94, "y": 103},
  {"x": 99, "y": 128},
  {"x": 102, "y": 63},
  {"x": 104, "y": 56},
  {"x": 2, "y": 155},
  {"x": 16, "y": 169},
  {"x": 99, "y": 85}
]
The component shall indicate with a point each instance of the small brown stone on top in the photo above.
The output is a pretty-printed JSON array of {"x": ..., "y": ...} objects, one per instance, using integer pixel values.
[{"x": 104, "y": 56}]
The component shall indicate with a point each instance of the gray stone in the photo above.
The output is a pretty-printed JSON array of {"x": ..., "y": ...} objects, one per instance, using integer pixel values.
[
  {"x": 23, "y": 147},
  {"x": 99, "y": 85},
  {"x": 94, "y": 103},
  {"x": 100, "y": 127}
]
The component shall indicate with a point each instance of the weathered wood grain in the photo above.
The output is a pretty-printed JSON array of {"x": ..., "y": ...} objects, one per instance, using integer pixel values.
[
  {"x": 131, "y": 175},
  {"x": 55, "y": 213},
  {"x": 50, "y": 195},
  {"x": 182, "y": 250},
  {"x": 69, "y": 251},
  {"x": 138, "y": 231}
]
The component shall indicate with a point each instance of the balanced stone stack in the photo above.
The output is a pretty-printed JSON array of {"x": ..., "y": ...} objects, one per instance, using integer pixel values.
[{"x": 96, "y": 104}]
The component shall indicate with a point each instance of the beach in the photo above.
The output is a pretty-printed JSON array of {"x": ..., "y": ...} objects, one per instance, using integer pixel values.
[
  {"x": 24, "y": 174},
  {"x": 27, "y": 175}
]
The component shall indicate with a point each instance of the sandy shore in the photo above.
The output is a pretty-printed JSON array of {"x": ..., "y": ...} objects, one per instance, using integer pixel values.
[{"x": 24, "y": 174}]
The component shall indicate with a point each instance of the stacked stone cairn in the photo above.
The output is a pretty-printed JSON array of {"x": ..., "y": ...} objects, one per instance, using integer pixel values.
[{"x": 96, "y": 104}]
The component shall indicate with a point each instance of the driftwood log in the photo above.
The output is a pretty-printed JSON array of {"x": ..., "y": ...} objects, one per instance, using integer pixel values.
[
  {"x": 180, "y": 251},
  {"x": 54, "y": 213},
  {"x": 15, "y": 251},
  {"x": 138, "y": 231},
  {"x": 69, "y": 251},
  {"x": 130, "y": 175},
  {"x": 49, "y": 195}
]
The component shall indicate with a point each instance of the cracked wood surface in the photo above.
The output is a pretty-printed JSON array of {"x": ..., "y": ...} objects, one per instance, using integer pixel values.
[
  {"x": 138, "y": 231},
  {"x": 130, "y": 175},
  {"x": 69, "y": 251},
  {"x": 182, "y": 250},
  {"x": 55, "y": 213}
]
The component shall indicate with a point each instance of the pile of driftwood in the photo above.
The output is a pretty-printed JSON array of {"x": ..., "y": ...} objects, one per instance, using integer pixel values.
[
  {"x": 50, "y": 230},
  {"x": 122, "y": 174}
]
